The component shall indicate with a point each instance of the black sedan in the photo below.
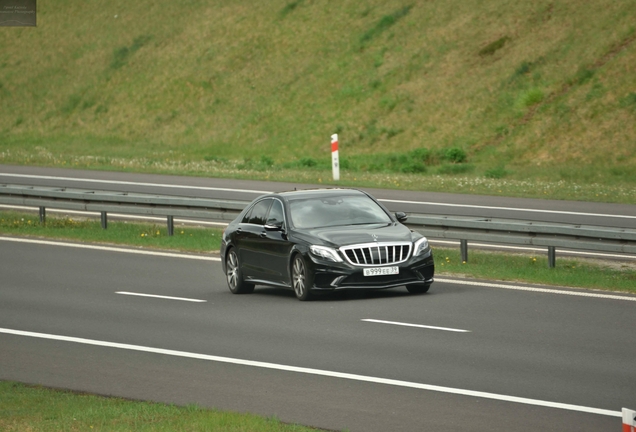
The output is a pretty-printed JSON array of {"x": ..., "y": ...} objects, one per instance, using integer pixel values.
[{"x": 323, "y": 240}]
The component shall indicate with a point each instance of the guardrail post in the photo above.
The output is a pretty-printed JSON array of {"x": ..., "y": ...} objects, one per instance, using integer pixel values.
[
  {"x": 463, "y": 246},
  {"x": 104, "y": 218},
  {"x": 170, "y": 225},
  {"x": 42, "y": 215},
  {"x": 551, "y": 256}
]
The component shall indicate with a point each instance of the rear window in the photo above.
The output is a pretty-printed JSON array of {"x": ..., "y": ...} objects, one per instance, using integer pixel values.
[{"x": 258, "y": 213}]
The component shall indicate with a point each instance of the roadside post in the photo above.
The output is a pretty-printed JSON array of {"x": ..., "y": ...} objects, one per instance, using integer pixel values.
[
  {"x": 629, "y": 420},
  {"x": 335, "y": 163}
]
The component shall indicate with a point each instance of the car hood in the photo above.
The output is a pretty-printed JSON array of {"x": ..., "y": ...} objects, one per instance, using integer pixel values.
[{"x": 368, "y": 233}]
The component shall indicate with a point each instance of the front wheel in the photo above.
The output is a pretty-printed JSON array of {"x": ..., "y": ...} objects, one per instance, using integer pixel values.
[
  {"x": 301, "y": 279},
  {"x": 418, "y": 289},
  {"x": 234, "y": 277}
]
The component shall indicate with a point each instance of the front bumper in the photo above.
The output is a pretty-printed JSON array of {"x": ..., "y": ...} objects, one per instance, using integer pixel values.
[{"x": 331, "y": 276}]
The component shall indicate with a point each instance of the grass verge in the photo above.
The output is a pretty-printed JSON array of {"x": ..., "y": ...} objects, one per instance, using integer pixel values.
[
  {"x": 29, "y": 408},
  {"x": 578, "y": 272},
  {"x": 569, "y": 272},
  {"x": 185, "y": 238}
]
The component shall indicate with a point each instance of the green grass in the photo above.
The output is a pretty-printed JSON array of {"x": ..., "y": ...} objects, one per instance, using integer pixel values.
[
  {"x": 34, "y": 408},
  {"x": 538, "y": 95},
  {"x": 185, "y": 238},
  {"x": 569, "y": 272},
  {"x": 485, "y": 265}
]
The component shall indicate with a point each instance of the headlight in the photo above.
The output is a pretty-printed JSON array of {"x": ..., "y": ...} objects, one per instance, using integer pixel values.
[
  {"x": 325, "y": 252},
  {"x": 420, "y": 246}
]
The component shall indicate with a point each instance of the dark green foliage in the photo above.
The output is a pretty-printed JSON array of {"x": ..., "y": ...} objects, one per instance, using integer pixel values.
[
  {"x": 582, "y": 76},
  {"x": 267, "y": 161},
  {"x": 290, "y": 7},
  {"x": 625, "y": 173},
  {"x": 72, "y": 103},
  {"x": 493, "y": 47},
  {"x": 308, "y": 162},
  {"x": 421, "y": 154},
  {"x": 391, "y": 132},
  {"x": 454, "y": 169},
  {"x": 497, "y": 172},
  {"x": 101, "y": 109},
  {"x": 523, "y": 69},
  {"x": 216, "y": 159},
  {"x": 413, "y": 167},
  {"x": 385, "y": 23},
  {"x": 596, "y": 91},
  {"x": 502, "y": 130},
  {"x": 530, "y": 97},
  {"x": 629, "y": 101},
  {"x": 454, "y": 155},
  {"x": 263, "y": 164},
  {"x": 121, "y": 55},
  {"x": 416, "y": 161}
]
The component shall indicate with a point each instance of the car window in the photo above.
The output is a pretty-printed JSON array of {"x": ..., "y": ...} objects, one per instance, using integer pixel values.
[
  {"x": 336, "y": 211},
  {"x": 275, "y": 216},
  {"x": 258, "y": 213}
]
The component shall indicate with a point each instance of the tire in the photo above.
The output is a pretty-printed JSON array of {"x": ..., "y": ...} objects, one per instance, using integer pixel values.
[
  {"x": 234, "y": 277},
  {"x": 300, "y": 278},
  {"x": 418, "y": 289}
]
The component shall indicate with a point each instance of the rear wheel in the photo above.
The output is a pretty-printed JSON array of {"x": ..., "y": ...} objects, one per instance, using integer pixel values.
[
  {"x": 418, "y": 289},
  {"x": 234, "y": 277},
  {"x": 301, "y": 279}
]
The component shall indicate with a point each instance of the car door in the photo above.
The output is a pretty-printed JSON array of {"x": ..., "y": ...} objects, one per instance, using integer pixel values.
[
  {"x": 276, "y": 247},
  {"x": 249, "y": 240}
]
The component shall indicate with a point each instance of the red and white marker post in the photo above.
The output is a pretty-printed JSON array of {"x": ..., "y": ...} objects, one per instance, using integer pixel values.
[
  {"x": 629, "y": 420},
  {"x": 335, "y": 163}
]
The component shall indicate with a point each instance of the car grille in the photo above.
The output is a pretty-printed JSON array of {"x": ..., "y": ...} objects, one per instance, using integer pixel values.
[{"x": 373, "y": 254}]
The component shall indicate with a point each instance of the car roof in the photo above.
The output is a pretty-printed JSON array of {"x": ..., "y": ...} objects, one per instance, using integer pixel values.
[{"x": 322, "y": 192}]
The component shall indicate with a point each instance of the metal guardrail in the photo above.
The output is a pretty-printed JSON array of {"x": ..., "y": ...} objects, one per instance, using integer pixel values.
[
  {"x": 464, "y": 229},
  {"x": 105, "y": 202}
]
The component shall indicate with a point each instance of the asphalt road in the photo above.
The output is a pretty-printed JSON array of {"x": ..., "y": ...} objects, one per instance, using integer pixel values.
[
  {"x": 482, "y": 358},
  {"x": 569, "y": 212}
]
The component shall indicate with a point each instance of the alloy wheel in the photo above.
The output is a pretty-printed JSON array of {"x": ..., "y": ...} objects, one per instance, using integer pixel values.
[{"x": 232, "y": 270}]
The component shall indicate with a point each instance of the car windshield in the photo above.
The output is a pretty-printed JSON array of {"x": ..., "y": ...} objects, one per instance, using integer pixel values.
[{"x": 336, "y": 211}]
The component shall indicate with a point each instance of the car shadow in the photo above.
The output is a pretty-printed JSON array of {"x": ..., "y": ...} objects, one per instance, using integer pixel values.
[{"x": 344, "y": 295}]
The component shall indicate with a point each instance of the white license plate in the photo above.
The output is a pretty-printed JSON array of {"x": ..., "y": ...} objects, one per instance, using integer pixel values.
[{"x": 380, "y": 271}]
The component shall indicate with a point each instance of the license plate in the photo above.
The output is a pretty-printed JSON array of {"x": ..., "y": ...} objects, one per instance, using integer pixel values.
[{"x": 380, "y": 271}]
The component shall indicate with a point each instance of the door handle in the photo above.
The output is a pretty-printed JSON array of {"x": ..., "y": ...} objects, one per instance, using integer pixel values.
[{"x": 264, "y": 234}]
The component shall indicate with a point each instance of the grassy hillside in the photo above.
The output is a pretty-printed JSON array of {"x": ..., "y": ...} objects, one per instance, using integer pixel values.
[{"x": 542, "y": 90}]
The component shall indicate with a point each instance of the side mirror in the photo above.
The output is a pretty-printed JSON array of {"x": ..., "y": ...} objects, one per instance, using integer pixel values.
[
  {"x": 401, "y": 216},
  {"x": 274, "y": 225}
]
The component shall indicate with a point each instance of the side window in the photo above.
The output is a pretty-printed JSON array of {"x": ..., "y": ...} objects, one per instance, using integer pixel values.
[
  {"x": 275, "y": 216},
  {"x": 258, "y": 214},
  {"x": 246, "y": 218}
]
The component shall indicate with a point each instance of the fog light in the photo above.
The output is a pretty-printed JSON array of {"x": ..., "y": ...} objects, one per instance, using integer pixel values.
[{"x": 337, "y": 281}]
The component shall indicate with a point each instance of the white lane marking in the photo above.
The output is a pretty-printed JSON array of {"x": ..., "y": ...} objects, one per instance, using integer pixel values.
[
  {"x": 120, "y": 182},
  {"x": 209, "y": 258},
  {"x": 416, "y": 325},
  {"x": 110, "y": 249},
  {"x": 319, "y": 372},
  {"x": 511, "y": 209},
  {"x": 161, "y": 185},
  {"x": 115, "y": 215},
  {"x": 160, "y": 297},
  {"x": 533, "y": 289}
]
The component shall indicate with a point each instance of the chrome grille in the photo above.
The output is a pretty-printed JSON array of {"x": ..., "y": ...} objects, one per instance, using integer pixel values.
[{"x": 374, "y": 254}]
